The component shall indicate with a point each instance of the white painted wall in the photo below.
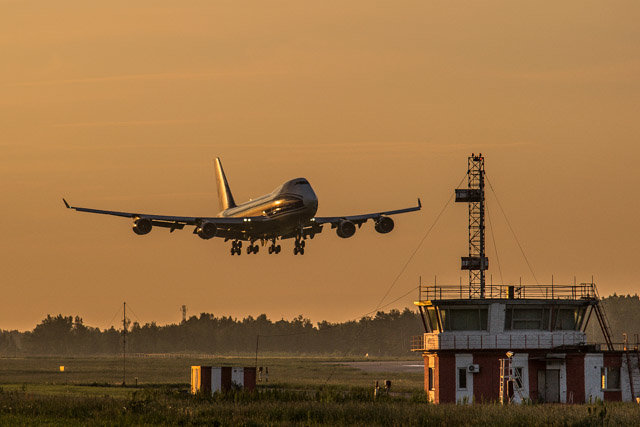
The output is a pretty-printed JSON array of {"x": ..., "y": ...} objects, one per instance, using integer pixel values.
[
  {"x": 431, "y": 363},
  {"x": 470, "y": 340},
  {"x": 593, "y": 363},
  {"x": 561, "y": 365},
  {"x": 625, "y": 385},
  {"x": 216, "y": 379},
  {"x": 496, "y": 318},
  {"x": 462, "y": 361},
  {"x": 521, "y": 360},
  {"x": 237, "y": 376}
]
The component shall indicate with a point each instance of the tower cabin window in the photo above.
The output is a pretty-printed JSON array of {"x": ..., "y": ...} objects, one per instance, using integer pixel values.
[
  {"x": 518, "y": 317},
  {"x": 527, "y": 318},
  {"x": 464, "y": 319},
  {"x": 568, "y": 319},
  {"x": 432, "y": 319}
]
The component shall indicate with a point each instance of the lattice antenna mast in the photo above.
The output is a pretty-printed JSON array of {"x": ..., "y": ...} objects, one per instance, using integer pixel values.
[{"x": 477, "y": 263}]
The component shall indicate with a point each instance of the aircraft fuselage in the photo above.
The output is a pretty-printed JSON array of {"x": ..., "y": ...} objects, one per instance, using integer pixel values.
[{"x": 285, "y": 209}]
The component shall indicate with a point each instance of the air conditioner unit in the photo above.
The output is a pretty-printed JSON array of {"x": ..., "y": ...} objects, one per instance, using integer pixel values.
[{"x": 473, "y": 369}]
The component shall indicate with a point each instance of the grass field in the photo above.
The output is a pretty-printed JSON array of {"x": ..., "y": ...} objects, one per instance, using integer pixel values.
[
  {"x": 301, "y": 391},
  {"x": 296, "y": 372}
]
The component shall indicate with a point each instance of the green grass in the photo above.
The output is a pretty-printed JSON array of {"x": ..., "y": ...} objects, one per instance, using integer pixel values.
[
  {"x": 301, "y": 391},
  {"x": 309, "y": 372},
  {"x": 328, "y": 406}
]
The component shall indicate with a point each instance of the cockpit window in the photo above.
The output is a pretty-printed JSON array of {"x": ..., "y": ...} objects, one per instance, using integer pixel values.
[{"x": 301, "y": 181}]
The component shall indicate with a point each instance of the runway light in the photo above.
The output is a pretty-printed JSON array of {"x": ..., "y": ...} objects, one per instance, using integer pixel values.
[{"x": 61, "y": 368}]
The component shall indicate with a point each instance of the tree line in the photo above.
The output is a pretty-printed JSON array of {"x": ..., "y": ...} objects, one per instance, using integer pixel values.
[{"x": 384, "y": 334}]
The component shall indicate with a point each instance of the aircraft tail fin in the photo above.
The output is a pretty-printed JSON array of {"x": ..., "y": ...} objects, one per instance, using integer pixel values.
[{"x": 225, "y": 198}]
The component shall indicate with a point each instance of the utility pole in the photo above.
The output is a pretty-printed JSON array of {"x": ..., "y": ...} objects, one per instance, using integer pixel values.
[{"x": 124, "y": 343}]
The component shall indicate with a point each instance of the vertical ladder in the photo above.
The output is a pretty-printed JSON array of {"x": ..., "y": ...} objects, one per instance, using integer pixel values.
[
  {"x": 509, "y": 375},
  {"x": 502, "y": 379}
]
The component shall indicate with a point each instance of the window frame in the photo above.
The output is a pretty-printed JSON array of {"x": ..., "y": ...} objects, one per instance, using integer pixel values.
[
  {"x": 431, "y": 381},
  {"x": 482, "y": 313},
  {"x": 606, "y": 378},
  {"x": 462, "y": 373}
]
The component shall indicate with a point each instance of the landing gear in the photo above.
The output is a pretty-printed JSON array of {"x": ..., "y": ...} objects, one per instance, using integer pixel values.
[
  {"x": 236, "y": 247},
  {"x": 273, "y": 248},
  {"x": 253, "y": 249},
  {"x": 299, "y": 248}
]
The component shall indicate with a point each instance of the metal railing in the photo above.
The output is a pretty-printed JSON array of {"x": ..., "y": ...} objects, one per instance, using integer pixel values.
[
  {"x": 583, "y": 291},
  {"x": 429, "y": 342}
]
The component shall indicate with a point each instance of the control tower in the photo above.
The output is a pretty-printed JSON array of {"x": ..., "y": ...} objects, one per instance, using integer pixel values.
[{"x": 516, "y": 342}]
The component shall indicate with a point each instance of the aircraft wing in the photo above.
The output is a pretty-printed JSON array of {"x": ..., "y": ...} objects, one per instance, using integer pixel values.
[
  {"x": 173, "y": 222},
  {"x": 361, "y": 219}
]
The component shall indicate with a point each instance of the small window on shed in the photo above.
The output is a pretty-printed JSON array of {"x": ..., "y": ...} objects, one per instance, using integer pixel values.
[{"x": 431, "y": 383}]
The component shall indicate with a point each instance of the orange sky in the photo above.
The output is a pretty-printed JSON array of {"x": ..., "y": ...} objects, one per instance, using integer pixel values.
[{"x": 123, "y": 105}]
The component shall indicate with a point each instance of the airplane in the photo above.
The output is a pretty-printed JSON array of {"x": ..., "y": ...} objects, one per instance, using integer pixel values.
[{"x": 288, "y": 212}]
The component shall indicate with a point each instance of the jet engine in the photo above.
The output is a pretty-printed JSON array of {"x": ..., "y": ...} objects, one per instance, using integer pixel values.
[
  {"x": 142, "y": 226},
  {"x": 206, "y": 230},
  {"x": 384, "y": 224},
  {"x": 346, "y": 229}
]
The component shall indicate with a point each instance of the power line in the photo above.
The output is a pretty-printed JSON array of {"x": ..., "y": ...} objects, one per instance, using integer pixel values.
[
  {"x": 415, "y": 251},
  {"x": 513, "y": 232},
  {"x": 495, "y": 245}
]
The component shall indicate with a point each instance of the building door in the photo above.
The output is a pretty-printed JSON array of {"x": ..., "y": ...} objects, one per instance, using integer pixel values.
[{"x": 549, "y": 385}]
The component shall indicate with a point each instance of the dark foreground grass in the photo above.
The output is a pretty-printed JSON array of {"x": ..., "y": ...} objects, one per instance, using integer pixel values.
[{"x": 326, "y": 406}]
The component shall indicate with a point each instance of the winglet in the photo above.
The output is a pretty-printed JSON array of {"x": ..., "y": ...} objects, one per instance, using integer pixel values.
[
  {"x": 66, "y": 204},
  {"x": 419, "y": 203}
]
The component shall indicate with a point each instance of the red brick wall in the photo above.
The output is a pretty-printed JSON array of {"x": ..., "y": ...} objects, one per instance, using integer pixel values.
[
  {"x": 575, "y": 377},
  {"x": 249, "y": 378},
  {"x": 486, "y": 383},
  {"x": 534, "y": 367},
  {"x": 445, "y": 378}
]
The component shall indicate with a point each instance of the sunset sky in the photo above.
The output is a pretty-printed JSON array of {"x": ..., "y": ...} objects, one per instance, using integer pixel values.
[{"x": 123, "y": 105}]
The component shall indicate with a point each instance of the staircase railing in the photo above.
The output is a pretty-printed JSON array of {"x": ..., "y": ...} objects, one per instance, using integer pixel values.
[{"x": 602, "y": 319}]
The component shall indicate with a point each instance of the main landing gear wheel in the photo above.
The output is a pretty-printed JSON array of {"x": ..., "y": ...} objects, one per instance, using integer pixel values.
[
  {"x": 253, "y": 249},
  {"x": 236, "y": 247},
  {"x": 273, "y": 248},
  {"x": 299, "y": 248}
]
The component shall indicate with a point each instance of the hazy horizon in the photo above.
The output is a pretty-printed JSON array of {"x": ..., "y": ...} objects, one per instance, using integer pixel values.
[{"x": 124, "y": 106}]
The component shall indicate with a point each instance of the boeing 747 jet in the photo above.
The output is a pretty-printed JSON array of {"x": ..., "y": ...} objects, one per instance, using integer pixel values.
[{"x": 288, "y": 212}]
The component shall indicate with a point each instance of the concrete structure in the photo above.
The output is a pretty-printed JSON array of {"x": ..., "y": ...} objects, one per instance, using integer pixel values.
[
  {"x": 465, "y": 339},
  {"x": 207, "y": 379}
]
